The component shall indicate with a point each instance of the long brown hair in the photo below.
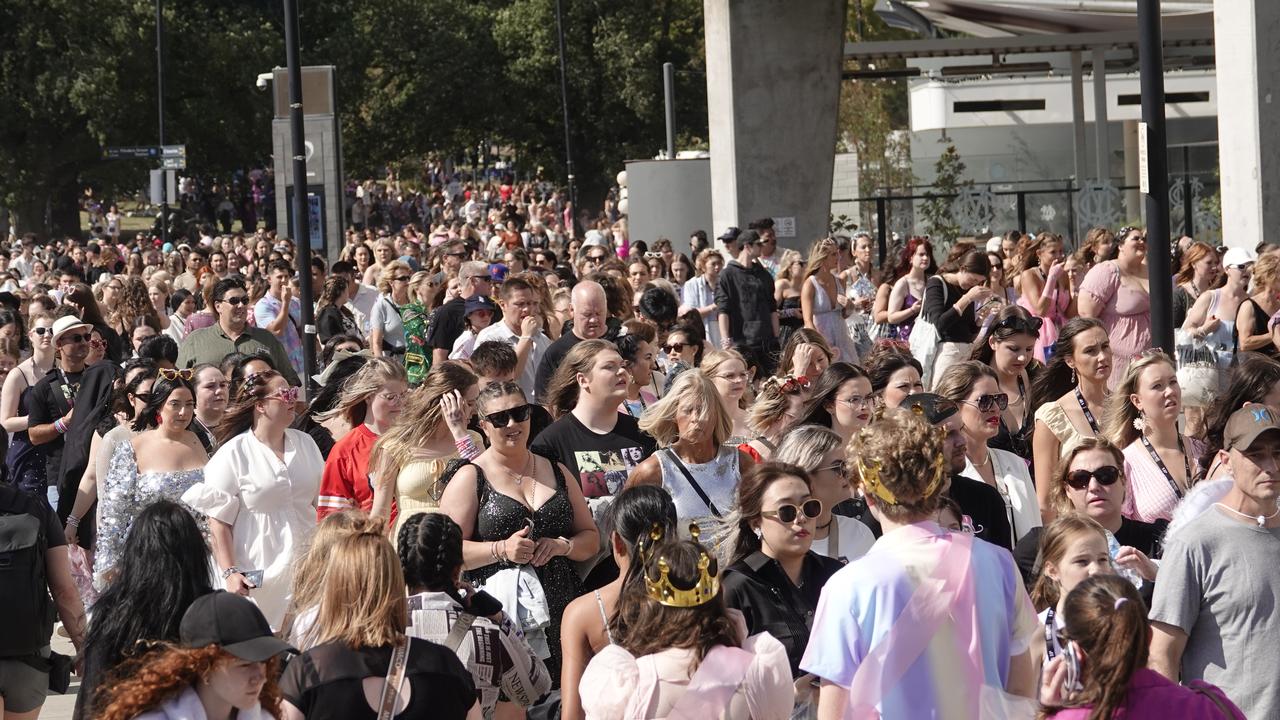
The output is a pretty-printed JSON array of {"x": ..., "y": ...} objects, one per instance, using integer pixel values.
[
  {"x": 145, "y": 682},
  {"x": 1106, "y": 618},
  {"x": 562, "y": 391},
  {"x": 739, "y": 533},
  {"x": 239, "y": 416},
  {"x": 420, "y": 418},
  {"x": 133, "y": 307}
]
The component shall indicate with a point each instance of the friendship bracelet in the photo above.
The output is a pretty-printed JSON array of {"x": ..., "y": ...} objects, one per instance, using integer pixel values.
[
  {"x": 73, "y": 521},
  {"x": 60, "y": 426},
  {"x": 466, "y": 448}
]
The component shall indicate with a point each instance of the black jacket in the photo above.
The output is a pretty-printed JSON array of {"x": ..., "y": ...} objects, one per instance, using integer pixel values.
[{"x": 745, "y": 295}]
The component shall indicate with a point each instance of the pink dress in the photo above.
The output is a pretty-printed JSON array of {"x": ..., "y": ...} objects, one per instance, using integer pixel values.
[
  {"x": 1124, "y": 311},
  {"x": 1054, "y": 318},
  {"x": 1153, "y": 697}
]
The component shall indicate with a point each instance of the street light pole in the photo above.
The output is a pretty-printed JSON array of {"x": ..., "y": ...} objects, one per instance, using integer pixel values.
[
  {"x": 1159, "y": 261},
  {"x": 301, "y": 218},
  {"x": 564, "y": 101},
  {"x": 164, "y": 185}
]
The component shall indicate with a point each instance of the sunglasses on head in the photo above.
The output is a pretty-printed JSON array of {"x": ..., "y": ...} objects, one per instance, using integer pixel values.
[
  {"x": 1030, "y": 326},
  {"x": 987, "y": 403},
  {"x": 502, "y": 418},
  {"x": 173, "y": 374},
  {"x": 788, "y": 513},
  {"x": 1105, "y": 475}
]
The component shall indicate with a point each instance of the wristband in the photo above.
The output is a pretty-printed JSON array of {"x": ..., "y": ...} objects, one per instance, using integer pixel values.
[
  {"x": 233, "y": 570},
  {"x": 60, "y": 426},
  {"x": 466, "y": 448},
  {"x": 522, "y": 338}
]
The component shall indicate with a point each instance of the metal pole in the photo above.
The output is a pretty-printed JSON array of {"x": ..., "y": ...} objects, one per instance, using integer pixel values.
[
  {"x": 564, "y": 102},
  {"x": 1022, "y": 212},
  {"x": 301, "y": 217},
  {"x": 1071, "y": 215},
  {"x": 1159, "y": 263},
  {"x": 669, "y": 97},
  {"x": 882, "y": 226},
  {"x": 1102, "y": 139},
  {"x": 164, "y": 202},
  {"x": 1188, "y": 205}
]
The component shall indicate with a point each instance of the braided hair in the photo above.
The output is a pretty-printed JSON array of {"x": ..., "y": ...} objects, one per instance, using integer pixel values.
[{"x": 430, "y": 549}]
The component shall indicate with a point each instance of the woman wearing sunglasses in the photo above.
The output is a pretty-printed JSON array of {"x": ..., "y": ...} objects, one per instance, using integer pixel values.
[
  {"x": 163, "y": 461},
  {"x": 821, "y": 453},
  {"x": 26, "y": 461},
  {"x": 974, "y": 388},
  {"x": 1090, "y": 481},
  {"x": 520, "y": 509},
  {"x": 1009, "y": 350},
  {"x": 772, "y": 576},
  {"x": 259, "y": 493}
]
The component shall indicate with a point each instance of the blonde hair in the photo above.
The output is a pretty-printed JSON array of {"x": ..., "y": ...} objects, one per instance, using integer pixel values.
[
  {"x": 770, "y": 405},
  {"x": 904, "y": 452},
  {"x": 389, "y": 272},
  {"x": 416, "y": 282},
  {"x": 363, "y": 601},
  {"x": 701, "y": 262},
  {"x": 1266, "y": 271},
  {"x": 819, "y": 251},
  {"x": 361, "y": 386},
  {"x": 421, "y": 417},
  {"x": 712, "y": 361},
  {"x": 806, "y": 445},
  {"x": 308, "y": 581},
  {"x": 693, "y": 391},
  {"x": 785, "y": 262},
  {"x": 1117, "y": 423}
]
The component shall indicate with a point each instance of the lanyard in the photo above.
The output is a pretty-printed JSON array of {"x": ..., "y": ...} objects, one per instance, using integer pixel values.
[
  {"x": 1186, "y": 463},
  {"x": 1088, "y": 414}
]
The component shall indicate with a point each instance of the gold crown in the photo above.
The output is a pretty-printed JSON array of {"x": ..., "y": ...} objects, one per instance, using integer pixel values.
[
  {"x": 664, "y": 592},
  {"x": 869, "y": 473}
]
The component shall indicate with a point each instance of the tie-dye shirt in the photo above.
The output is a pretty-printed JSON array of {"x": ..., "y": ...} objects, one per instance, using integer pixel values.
[{"x": 931, "y": 620}]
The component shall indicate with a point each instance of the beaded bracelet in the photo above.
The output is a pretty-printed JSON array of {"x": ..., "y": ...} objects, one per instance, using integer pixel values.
[
  {"x": 466, "y": 448},
  {"x": 73, "y": 521}
]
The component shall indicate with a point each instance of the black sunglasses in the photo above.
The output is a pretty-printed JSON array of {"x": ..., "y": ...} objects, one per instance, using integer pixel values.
[
  {"x": 675, "y": 347},
  {"x": 236, "y": 301},
  {"x": 987, "y": 403},
  {"x": 790, "y": 513},
  {"x": 596, "y": 258},
  {"x": 1105, "y": 475},
  {"x": 77, "y": 338},
  {"x": 42, "y": 330},
  {"x": 403, "y": 278},
  {"x": 1029, "y": 326},
  {"x": 502, "y": 418}
]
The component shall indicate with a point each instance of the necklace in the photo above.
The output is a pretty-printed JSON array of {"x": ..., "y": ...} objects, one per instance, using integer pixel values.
[
  {"x": 1260, "y": 519},
  {"x": 519, "y": 478}
]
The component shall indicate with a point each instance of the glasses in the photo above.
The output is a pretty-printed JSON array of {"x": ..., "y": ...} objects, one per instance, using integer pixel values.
[
  {"x": 187, "y": 374},
  {"x": 788, "y": 513},
  {"x": 596, "y": 258},
  {"x": 836, "y": 467},
  {"x": 987, "y": 403},
  {"x": 1105, "y": 475},
  {"x": 733, "y": 377},
  {"x": 392, "y": 397},
  {"x": 502, "y": 418},
  {"x": 288, "y": 395},
  {"x": 236, "y": 301},
  {"x": 77, "y": 338},
  {"x": 855, "y": 400},
  {"x": 676, "y": 347},
  {"x": 401, "y": 278}
]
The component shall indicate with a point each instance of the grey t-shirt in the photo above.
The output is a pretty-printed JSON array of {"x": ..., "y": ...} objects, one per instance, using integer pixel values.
[{"x": 1219, "y": 582}]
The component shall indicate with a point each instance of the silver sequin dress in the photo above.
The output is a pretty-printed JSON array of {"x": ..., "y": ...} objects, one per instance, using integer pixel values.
[{"x": 123, "y": 493}]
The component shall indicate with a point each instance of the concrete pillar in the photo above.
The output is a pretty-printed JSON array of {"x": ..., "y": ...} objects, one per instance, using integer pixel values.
[
  {"x": 1248, "y": 122},
  {"x": 773, "y": 90},
  {"x": 1078, "y": 137},
  {"x": 1133, "y": 205},
  {"x": 1102, "y": 144}
]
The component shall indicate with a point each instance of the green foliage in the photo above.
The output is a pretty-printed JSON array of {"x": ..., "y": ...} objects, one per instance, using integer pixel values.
[{"x": 948, "y": 174}]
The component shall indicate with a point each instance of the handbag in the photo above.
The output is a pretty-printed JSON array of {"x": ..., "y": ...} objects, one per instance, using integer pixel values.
[
  {"x": 925, "y": 340},
  {"x": 60, "y": 672},
  {"x": 395, "y": 678}
]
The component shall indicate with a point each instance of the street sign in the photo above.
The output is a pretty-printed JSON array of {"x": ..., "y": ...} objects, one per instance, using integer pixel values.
[
  {"x": 130, "y": 152},
  {"x": 173, "y": 151},
  {"x": 174, "y": 163}
]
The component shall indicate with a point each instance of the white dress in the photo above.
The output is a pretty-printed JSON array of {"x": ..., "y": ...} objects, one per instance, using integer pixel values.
[{"x": 270, "y": 506}]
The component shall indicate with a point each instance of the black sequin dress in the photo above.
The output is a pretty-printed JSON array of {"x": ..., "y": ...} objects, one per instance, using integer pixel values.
[{"x": 500, "y": 516}]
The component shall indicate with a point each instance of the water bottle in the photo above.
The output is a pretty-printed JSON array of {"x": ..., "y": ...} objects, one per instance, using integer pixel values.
[{"x": 1113, "y": 548}]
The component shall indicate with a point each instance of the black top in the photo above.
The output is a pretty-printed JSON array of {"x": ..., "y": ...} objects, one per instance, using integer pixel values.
[
  {"x": 16, "y": 502},
  {"x": 447, "y": 323},
  {"x": 1182, "y": 302},
  {"x": 1260, "y": 320},
  {"x": 1132, "y": 533},
  {"x": 961, "y": 327},
  {"x": 746, "y": 295},
  {"x": 601, "y": 463},
  {"x": 981, "y": 502},
  {"x": 758, "y": 586},
  {"x": 325, "y": 682},
  {"x": 551, "y": 360},
  {"x": 333, "y": 320},
  {"x": 93, "y": 401},
  {"x": 51, "y": 398}
]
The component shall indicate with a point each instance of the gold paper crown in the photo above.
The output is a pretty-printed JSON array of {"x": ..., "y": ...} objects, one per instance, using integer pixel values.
[
  {"x": 664, "y": 592},
  {"x": 869, "y": 472}
]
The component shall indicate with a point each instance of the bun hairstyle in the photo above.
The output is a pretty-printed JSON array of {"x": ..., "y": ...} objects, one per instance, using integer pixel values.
[
  {"x": 1054, "y": 541},
  {"x": 1105, "y": 617},
  {"x": 900, "y": 463},
  {"x": 430, "y": 549}
]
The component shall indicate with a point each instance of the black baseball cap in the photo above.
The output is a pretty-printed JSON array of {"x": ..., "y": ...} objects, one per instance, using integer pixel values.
[
  {"x": 234, "y": 624},
  {"x": 729, "y": 235},
  {"x": 934, "y": 408}
]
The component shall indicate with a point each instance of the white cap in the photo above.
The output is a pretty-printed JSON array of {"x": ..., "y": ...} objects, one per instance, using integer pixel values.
[
  {"x": 594, "y": 237},
  {"x": 1238, "y": 257},
  {"x": 995, "y": 244}
]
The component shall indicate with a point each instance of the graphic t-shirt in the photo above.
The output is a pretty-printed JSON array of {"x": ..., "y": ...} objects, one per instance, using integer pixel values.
[{"x": 600, "y": 462}]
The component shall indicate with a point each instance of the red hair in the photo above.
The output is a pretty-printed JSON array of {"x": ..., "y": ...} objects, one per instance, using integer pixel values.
[
  {"x": 904, "y": 259},
  {"x": 146, "y": 682}
]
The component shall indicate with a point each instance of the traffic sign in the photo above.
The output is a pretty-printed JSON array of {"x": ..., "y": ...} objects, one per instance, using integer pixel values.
[
  {"x": 173, "y": 151},
  {"x": 174, "y": 163},
  {"x": 129, "y": 152}
]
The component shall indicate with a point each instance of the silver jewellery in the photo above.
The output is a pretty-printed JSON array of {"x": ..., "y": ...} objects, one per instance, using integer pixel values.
[
  {"x": 520, "y": 477},
  {"x": 1260, "y": 519}
]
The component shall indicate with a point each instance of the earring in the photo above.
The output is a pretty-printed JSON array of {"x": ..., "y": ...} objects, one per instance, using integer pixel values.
[
  {"x": 759, "y": 534},
  {"x": 158, "y": 419},
  {"x": 1140, "y": 422},
  {"x": 1074, "y": 380}
]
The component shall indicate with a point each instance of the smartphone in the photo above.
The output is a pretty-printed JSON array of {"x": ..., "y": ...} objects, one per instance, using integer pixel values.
[{"x": 253, "y": 577}]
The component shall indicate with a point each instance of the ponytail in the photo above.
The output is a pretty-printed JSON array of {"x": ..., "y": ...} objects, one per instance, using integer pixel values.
[{"x": 1106, "y": 618}]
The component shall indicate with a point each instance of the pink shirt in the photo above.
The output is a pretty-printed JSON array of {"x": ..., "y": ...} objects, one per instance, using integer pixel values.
[
  {"x": 1124, "y": 310},
  {"x": 1148, "y": 496},
  {"x": 1153, "y": 697}
]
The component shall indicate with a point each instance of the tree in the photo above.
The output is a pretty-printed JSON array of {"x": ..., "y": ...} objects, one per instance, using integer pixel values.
[{"x": 948, "y": 171}]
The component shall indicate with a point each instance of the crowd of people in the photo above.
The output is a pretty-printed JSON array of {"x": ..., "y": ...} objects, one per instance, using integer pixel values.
[{"x": 545, "y": 474}]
